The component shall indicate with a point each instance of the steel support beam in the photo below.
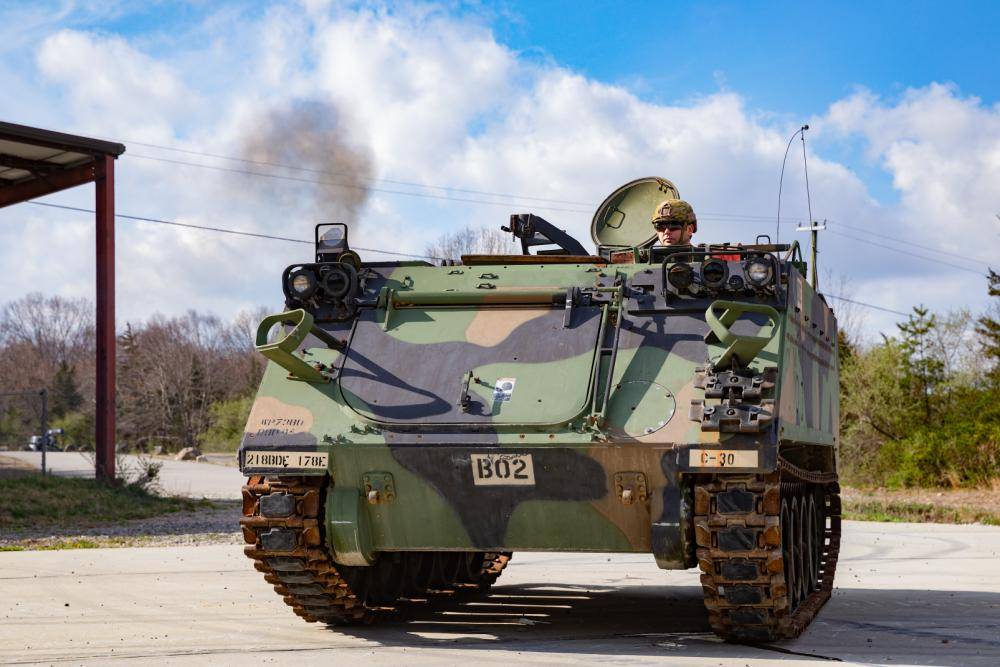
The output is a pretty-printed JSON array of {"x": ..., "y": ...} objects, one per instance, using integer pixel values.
[
  {"x": 105, "y": 424},
  {"x": 61, "y": 180}
]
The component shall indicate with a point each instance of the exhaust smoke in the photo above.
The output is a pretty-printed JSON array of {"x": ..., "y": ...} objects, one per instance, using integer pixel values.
[{"x": 312, "y": 136}]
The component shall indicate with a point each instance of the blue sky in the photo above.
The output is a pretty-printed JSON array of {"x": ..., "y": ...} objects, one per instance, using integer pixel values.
[
  {"x": 563, "y": 101},
  {"x": 788, "y": 57}
]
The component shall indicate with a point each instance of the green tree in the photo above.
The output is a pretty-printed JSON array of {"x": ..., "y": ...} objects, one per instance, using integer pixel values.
[
  {"x": 988, "y": 328},
  {"x": 78, "y": 429},
  {"x": 923, "y": 371},
  {"x": 228, "y": 419},
  {"x": 64, "y": 395}
]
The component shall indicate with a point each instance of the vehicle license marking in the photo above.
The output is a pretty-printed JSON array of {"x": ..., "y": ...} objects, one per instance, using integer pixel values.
[
  {"x": 277, "y": 460},
  {"x": 502, "y": 469},
  {"x": 722, "y": 458}
]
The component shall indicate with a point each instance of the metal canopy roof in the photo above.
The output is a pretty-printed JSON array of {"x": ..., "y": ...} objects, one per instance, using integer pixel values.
[{"x": 35, "y": 162}]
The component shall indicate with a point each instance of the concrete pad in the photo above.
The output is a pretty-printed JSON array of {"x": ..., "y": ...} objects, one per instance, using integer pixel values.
[{"x": 906, "y": 594}]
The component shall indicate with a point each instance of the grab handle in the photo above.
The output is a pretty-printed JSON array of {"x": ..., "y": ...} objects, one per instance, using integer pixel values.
[
  {"x": 281, "y": 351},
  {"x": 741, "y": 346}
]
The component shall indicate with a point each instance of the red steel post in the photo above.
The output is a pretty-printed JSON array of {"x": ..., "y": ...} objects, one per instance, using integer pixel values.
[{"x": 105, "y": 425}]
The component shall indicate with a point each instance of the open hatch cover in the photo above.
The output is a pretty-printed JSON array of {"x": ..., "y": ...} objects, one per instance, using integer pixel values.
[{"x": 623, "y": 219}]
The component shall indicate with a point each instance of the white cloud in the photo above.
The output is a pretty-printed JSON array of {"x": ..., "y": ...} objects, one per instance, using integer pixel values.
[
  {"x": 113, "y": 85},
  {"x": 441, "y": 102}
]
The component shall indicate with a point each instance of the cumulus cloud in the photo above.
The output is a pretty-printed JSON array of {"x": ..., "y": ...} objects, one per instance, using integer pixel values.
[
  {"x": 441, "y": 102},
  {"x": 112, "y": 84}
]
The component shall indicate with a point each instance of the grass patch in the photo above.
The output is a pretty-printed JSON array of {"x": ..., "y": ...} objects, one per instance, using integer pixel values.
[
  {"x": 34, "y": 501},
  {"x": 878, "y": 510}
]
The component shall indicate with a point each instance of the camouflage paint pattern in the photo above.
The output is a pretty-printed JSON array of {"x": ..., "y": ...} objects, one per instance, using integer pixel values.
[{"x": 391, "y": 413}]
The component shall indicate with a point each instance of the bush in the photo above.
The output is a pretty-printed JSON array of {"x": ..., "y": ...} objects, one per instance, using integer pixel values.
[
  {"x": 226, "y": 423},
  {"x": 956, "y": 455}
]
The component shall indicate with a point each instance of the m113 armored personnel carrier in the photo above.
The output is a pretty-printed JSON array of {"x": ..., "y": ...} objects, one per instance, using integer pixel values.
[{"x": 418, "y": 424}]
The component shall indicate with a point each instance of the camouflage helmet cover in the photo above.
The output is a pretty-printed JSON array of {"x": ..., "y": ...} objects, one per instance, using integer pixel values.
[{"x": 675, "y": 209}]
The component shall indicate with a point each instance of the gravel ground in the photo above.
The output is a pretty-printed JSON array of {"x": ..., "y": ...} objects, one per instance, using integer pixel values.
[{"x": 215, "y": 525}]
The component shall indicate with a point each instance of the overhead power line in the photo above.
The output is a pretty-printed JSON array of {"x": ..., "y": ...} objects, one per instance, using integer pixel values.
[
  {"x": 270, "y": 237},
  {"x": 909, "y": 243},
  {"x": 588, "y": 206},
  {"x": 223, "y": 230},
  {"x": 326, "y": 172},
  {"x": 350, "y": 186},
  {"x": 866, "y": 305},
  {"x": 911, "y": 254}
]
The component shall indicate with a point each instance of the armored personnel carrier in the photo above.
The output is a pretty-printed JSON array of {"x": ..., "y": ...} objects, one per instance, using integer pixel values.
[{"x": 417, "y": 424}]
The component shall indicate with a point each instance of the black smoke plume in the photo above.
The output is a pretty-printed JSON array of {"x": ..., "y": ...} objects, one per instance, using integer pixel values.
[{"x": 312, "y": 137}]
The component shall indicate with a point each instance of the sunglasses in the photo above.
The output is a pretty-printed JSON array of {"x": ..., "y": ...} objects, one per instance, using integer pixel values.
[{"x": 672, "y": 225}]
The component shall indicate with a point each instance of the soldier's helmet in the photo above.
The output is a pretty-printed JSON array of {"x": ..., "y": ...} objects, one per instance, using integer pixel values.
[{"x": 677, "y": 210}]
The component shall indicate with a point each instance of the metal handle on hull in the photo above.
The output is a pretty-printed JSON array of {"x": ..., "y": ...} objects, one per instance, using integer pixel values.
[
  {"x": 741, "y": 346},
  {"x": 281, "y": 351}
]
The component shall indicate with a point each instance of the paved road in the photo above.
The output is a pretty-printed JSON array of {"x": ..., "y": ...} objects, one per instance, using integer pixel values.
[
  {"x": 182, "y": 478},
  {"x": 907, "y": 594}
]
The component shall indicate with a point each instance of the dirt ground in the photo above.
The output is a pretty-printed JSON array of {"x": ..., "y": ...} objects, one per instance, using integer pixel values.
[
  {"x": 13, "y": 468},
  {"x": 986, "y": 500}
]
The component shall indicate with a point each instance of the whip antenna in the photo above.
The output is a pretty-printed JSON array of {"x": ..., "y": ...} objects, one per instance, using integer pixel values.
[
  {"x": 813, "y": 227},
  {"x": 781, "y": 179}
]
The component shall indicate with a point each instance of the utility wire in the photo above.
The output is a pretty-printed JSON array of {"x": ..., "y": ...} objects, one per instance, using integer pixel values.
[
  {"x": 422, "y": 195},
  {"x": 719, "y": 217},
  {"x": 270, "y": 237},
  {"x": 223, "y": 230},
  {"x": 907, "y": 252},
  {"x": 909, "y": 243},
  {"x": 589, "y": 206},
  {"x": 866, "y": 305},
  {"x": 334, "y": 173}
]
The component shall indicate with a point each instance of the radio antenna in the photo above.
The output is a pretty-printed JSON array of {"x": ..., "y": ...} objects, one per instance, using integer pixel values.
[
  {"x": 813, "y": 227},
  {"x": 781, "y": 179}
]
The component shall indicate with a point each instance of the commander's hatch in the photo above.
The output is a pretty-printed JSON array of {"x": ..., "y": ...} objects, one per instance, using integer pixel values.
[
  {"x": 623, "y": 219},
  {"x": 472, "y": 366}
]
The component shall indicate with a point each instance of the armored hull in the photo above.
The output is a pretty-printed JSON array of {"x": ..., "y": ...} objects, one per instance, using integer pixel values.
[{"x": 413, "y": 433}]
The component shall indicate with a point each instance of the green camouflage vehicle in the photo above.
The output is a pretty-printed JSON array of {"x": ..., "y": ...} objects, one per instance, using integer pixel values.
[{"x": 417, "y": 424}]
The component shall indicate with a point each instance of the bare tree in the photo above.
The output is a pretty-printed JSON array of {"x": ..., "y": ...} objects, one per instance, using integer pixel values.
[
  {"x": 472, "y": 241},
  {"x": 60, "y": 329}
]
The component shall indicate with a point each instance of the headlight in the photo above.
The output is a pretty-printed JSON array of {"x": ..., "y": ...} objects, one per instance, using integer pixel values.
[
  {"x": 758, "y": 272},
  {"x": 714, "y": 272},
  {"x": 337, "y": 282},
  {"x": 680, "y": 276},
  {"x": 302, "y": 284}
]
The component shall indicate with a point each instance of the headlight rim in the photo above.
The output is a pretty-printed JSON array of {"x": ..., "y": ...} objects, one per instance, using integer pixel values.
[
  {"x": 768, "y": 272},
  {"x": 313, "y": 284}
]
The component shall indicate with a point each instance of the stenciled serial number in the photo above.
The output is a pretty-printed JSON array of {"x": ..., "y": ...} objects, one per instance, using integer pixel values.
[
  {"x": 722, "y": 458},
  {"x": 276, "y": 460},
  {"x": 281, "y": 421},
  {"x": 502, "y": 469}
]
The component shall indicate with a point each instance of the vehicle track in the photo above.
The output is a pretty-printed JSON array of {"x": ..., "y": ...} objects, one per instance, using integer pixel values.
[{"x": 283, "y": 527}]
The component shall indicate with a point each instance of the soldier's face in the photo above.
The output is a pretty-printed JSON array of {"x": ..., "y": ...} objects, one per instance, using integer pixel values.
[{"x": 674, "y": 234}]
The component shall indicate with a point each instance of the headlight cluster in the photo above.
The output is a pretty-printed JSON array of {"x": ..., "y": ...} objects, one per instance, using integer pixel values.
[
  {"x": 325, "y": 281},
  {"x": 717, "y": 274}
]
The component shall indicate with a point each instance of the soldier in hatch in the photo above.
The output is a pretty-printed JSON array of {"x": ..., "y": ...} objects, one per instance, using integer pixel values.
[{"x": 675, "y": 222}]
